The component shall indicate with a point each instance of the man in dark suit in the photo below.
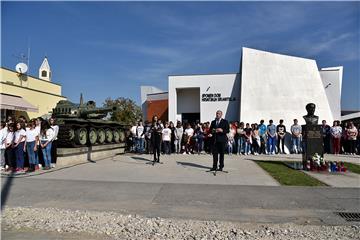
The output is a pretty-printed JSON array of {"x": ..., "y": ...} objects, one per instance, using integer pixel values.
[{"x": 218, "y": 130}]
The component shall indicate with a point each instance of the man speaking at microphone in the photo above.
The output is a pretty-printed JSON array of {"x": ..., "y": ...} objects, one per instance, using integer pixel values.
[{"x": 218, "y": 130}]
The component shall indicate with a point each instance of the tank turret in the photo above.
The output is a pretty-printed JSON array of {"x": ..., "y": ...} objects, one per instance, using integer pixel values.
[
  {"x": 67, "y": 109},
  {"x": 97, "y": 113},
  {"x": 84, "y": 124}
]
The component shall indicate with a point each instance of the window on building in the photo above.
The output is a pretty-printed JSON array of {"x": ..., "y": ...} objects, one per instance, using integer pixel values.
[{"x": 44, "y": 73}]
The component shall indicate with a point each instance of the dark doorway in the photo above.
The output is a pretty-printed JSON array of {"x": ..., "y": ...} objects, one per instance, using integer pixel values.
[{"x": 190, "y": 117}]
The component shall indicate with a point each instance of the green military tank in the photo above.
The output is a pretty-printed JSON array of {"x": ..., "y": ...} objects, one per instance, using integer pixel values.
[{"x": 83, "y": 124}]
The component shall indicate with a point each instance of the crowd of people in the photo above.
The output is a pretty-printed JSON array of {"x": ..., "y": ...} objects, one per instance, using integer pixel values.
[
  {"x": 28, "y": 146},
  {"x": 243, "y": 138}
]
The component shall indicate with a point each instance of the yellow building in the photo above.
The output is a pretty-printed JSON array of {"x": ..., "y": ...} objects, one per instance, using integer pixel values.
[{"x": 21, "y": 94}]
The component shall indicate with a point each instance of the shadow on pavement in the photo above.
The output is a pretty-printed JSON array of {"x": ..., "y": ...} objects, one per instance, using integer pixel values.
[
  {"x": 89, "y": 155},
  {"x": 5, "y": 190},
  {"x": 141, "y": 159},
  {"x": 193, "y": 165}
]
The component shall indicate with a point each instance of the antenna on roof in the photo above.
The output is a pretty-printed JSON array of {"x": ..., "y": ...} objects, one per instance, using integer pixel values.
[
  {"x": 22, "y": 68},
  {"x": 28, "y": 58}
]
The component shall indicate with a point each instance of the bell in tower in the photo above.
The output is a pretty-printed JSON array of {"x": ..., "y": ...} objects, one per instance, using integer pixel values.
[{"x": 44, "y": 70}]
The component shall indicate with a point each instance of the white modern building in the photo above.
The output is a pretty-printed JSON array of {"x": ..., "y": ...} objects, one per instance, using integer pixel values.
[
  {"x": 275, "y": 86},
  {"x": 268, "y": 86},
  {"x": 332, "y": 81},
  {"x": 197, "y": 97}
]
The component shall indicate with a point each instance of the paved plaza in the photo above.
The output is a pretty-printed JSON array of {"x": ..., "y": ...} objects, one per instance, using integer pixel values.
[
  {"x": 191, "y": 169},
  {"x": 182, "y": 187},
  {"x": 184, "y": 169}
]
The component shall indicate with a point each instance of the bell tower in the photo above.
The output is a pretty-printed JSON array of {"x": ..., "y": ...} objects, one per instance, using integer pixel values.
[{"x": 44, "y": 70}]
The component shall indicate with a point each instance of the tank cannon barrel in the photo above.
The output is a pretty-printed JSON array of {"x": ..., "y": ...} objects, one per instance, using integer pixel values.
[{"x": 86, "y": 112}]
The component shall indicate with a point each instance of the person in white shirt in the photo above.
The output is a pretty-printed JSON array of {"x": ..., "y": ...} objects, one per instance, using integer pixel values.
[
  {"x": 296, "y": 131},
  {"x": 38, "y": 154},
  {"x": 188, "y": 134},
  {"x": 178, "y": 136},
  {"x": 140, "y": 137},
  {"x": 166, "y": 138},
  {"x": 19, "y": 142},
  {"x": 147, "y": 133},
  {"x": 230, "y": 136},
  {"x": 55, "y": 127},
  {"x": 336, "y": 133},
  {"x": 3, "y": 133},
  {"x": 352, "y": 133},
  {"x": 46, "y": 137},
  {"x": 133, "y": 138},
  {"x": 30, "y": 147},
  {"x": 9, "y": 150}
]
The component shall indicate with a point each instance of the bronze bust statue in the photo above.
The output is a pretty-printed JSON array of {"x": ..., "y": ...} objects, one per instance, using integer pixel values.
[{"x": 310, "y": 118}]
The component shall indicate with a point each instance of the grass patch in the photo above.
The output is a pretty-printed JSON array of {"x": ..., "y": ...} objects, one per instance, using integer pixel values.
[
  {"x": 287, "y": 176},
  {"x": 355, "y": 168}
]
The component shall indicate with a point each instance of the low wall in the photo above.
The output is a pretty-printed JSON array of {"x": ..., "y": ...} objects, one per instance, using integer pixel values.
[{"x": 72, "y": 156}]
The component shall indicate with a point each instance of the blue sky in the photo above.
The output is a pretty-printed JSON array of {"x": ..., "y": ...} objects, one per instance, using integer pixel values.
[{"x": 111, "y": 49}]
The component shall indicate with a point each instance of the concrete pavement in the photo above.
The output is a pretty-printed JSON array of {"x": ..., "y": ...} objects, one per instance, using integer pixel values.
[
  {"x": 188, "y": 169},
  {"x": 263, "y": 204},
  {"x": 338, "y": 179},
  {"x": 181, "y": 188}
]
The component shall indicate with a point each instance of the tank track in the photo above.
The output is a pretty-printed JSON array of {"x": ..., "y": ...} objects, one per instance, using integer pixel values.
[{"x": 66, "y": 136}]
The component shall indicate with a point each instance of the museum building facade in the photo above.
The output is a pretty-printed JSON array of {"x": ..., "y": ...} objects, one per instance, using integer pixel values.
[{"x": 267, "y": 86}]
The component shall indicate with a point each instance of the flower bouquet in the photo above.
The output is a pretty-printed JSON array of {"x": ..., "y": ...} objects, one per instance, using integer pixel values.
[{"x": 318, "y": 163}]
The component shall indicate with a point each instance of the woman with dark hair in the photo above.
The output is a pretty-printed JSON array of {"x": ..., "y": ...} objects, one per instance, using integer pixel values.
[
  {"x": 358, "y": 139},
  {"x": 55, "y": 127},
  {"x": 19, "y": 142},
  {"x": 147, "y": 130},
  {"x": 199, "y": 141},
  {"x": 188, "y": 134},
  {"x": 173, "y": 132},
  {"x": 206, "y": 129},
  {"x": 156, "y": 135},
  {"x": 352, "y": 134},
  {"x": 179, "y": 130},
  {"x": 46, "y": 138},
  {"x": 9, "y": 151},
  {"x": 344, "y": 140},
  {"x": 39, "y": 158},
  {"x": 31, "y": 145},
  {"x": 336, "y": 132},
  {"x": 248, "y": 139},
  {"x": 166, "y": 138},
  {"x": 255, "y": 139},
  {"x": 3, "y": 133},
  {"x": 240, "y": 139}
]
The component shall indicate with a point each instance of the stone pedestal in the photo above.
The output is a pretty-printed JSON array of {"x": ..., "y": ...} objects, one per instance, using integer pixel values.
[
  {"x": 312, "y": 142},
  {"x": 73, "y": 156}
]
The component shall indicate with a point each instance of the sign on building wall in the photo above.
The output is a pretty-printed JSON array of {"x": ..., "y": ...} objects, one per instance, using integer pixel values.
[{"x": 215, "y": 97}]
